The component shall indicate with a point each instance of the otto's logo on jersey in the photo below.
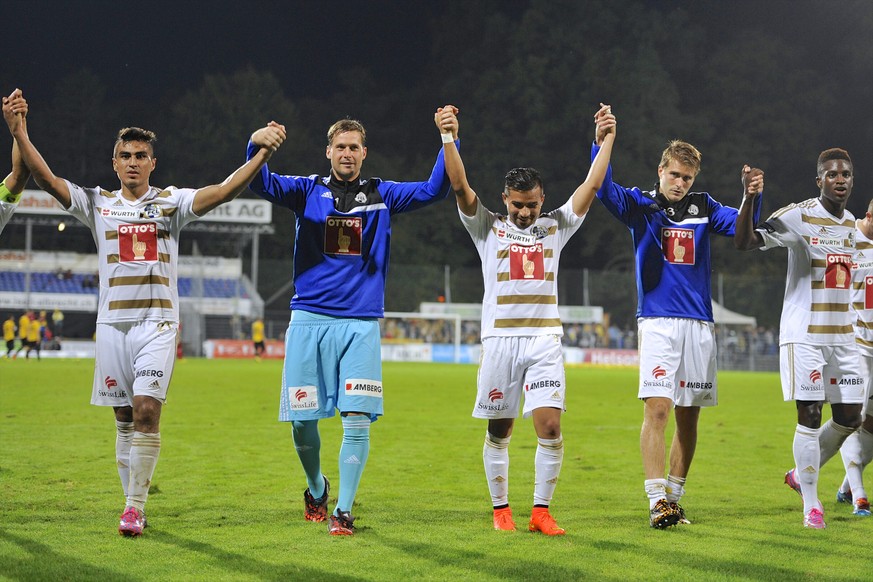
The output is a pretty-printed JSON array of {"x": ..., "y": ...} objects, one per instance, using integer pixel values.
[
  {"x": 815, "y": 376},
  {"x": 372, "y": 388},
  {"x": 868, "y": 292},
  {"x": 342, "y": 235},
  {"x": 526, "y": 263},
  {"x": 152, "y": 211},
  {"x": 838, "y": 272},
  {"x": 495, "y": 394},
  {"x": 658, "y": 372},
  {"x": 678, "y": 245},
  {"x": 138, "y": 242},
  {"x": 302, "y": 397},
  {"x": 542, "y": 384}
]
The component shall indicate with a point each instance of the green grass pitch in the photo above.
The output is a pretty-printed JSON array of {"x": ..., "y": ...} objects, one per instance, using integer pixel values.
[{"x": 226, "y": 500}]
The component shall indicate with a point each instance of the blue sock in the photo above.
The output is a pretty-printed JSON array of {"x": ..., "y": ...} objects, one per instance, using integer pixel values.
[
  {"x": 307, "y": 441},
  {"x": 352, "y": 459}
]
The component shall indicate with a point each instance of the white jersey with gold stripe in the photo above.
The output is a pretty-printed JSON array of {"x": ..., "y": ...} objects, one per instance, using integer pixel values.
[
  {"x": 138, "y": 249},
  {"x": 862, "y": 294},
  {"x": 818, "y": 288},
  {"x": 520, "y": 268}
]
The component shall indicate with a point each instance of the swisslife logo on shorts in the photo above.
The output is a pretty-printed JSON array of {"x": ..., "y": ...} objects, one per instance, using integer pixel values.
[
  {"x": 658, "y": 372},
  {"x": 815, "y": 378},
  {"x": 302, "y": 397},
  {"x": 360, "y": 387}
]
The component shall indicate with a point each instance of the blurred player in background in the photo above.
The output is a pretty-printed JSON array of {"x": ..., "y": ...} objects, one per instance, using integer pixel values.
[
  {"x": 857, "y": 449},
  {"x": 258, "y": 337},
  {"x": 23, "y": 330},
  {"x": 818, "y": 356},
  {"x": 12, "y": 186},
  {"x": 521, "y": 327},
  {"x": 9, "y": 334},
  {"x": 671, "y": 227},
  {"x": 332, "y": 347},
  {"x": 136, "y": 229}
]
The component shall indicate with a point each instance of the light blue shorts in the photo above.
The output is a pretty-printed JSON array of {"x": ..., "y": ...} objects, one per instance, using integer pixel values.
[{"x": 331, "y": 363}]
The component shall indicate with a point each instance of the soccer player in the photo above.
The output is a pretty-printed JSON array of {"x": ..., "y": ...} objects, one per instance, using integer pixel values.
[
  {"x": 332, "y": 347},
  {"x": 136, "y": 229},
  {"x": 12, "y": 186},
  {"x": 34, "y": 336},
  {"x": 818, "y": 356},
  {"x": 521, "y": 326},
  {"x": 23, "y": 330},
  {"x": 670, "y": 227},
  {"x": 258, "y": 337},
  {"x": 9, "y": 334},
  {"x": 857, "y": 449}
]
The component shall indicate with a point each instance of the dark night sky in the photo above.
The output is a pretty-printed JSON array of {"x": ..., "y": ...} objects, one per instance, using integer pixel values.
[{"x": 155, "y": 48}]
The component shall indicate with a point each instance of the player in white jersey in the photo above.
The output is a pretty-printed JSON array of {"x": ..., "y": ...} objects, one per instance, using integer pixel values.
[
  {"x": 857, "y": 449},
  {"x": 818, "y": 356},
  {"x": 521, "y": 327},
  {"x": 136, "y": 229},
  {"x": 12, "y": 186}
]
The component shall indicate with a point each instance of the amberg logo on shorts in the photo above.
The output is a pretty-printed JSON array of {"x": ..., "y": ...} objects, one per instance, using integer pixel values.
[
  {"x": 362, "y": 387},
  {"x": 542, "y": 384},
  {"x": 303, "y": 397},
  {"x": 692, "y": 385},
  {"x": 848, "y": 381}
]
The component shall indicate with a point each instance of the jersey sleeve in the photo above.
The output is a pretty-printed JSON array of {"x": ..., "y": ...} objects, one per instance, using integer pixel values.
[
  {"x": 287, "y": 191},
  {"x": 479, "y": 225},
  {"x": 82, "y": 203},
  {"x": 568, "y": 221},
  {"x": 723, "y": 219},
  {"x": 184, "y": 200},
  {"x": 781, "y": 229},
  {"x": 620, "y": 201},
  {"x": 406, "y": 196}
]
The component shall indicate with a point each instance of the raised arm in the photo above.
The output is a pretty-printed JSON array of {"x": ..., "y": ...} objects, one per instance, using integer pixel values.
[
  {"x": 746, "y": 237},
  {"x": 585, "y": 193},
  {"x": 14, "y": 111},
  {"x": 446, "y": 119},
  {"x": 269, "y": 139},
  {"x": 20, "y": 174}
]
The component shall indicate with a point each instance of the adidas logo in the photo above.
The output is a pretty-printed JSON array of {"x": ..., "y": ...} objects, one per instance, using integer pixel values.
[
  {"x": 353, "y": 460},
  {"x": 327, "y": 195},
  {"x": 155, "y": 385},
  {"x": 118, "y": 203}
]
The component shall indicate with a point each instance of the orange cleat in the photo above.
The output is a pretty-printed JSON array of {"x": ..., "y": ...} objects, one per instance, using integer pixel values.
[{"x": 542, "y": 521}]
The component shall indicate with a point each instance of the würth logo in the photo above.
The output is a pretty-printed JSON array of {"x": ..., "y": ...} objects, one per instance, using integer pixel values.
[
  {"x": 300, "y": 395},
  {"x": 815, "y": 376},
  {"x": 110, "y": 382},
  {"x": 495, "y": 394},
  {"x": 659, "y": 372}
]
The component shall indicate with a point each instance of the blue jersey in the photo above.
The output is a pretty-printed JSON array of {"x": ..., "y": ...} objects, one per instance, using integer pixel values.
[
  {"x": 343, "y": 234},
  {"x": 671, "y": 246}
]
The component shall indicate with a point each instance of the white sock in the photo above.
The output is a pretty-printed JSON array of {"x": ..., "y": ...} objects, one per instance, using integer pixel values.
[
  {"x": 807, "y": 454},
  {"x": 144, "y": 453},
  {"x": 495, "y": 455},
  {"x": 830, "y": 438},
  {"x": 547, "y": 467},
  {"x": 123, "y": 438},
  {"x": 857, "y": 451},
  {"x": 656, "y": 490},
  {"x": 675, "y": 488}
]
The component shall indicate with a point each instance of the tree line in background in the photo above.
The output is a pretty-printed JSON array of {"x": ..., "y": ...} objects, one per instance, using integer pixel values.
[{"x": 527, "y": 77}]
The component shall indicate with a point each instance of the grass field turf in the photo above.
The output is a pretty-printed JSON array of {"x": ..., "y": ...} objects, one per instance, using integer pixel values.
[{"x": 226, "y": 500}]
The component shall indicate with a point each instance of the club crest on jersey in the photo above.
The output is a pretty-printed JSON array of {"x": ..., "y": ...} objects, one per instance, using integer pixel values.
[
  {"x": 152, "y": 210},
  {"x": 838, "y": 271},
  {"x": 138, "y": 242},
  {"x": 517, "y": 237},
  {"x": 540, "y": 232},
  {"x": 360, "y": 197},
  {"x": 526, "y": 263},
  {"x": 693, "y": 210},
  {"x": 342, "y": 235},
  {"x": 678, "y": 245}
]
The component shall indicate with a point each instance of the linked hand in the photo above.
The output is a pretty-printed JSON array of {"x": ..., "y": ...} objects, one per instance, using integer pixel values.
[
  {"x": 753, "y": 181},
  {"x": 14, "y": 110},
  {"x": 446, "y": 120},
  {"x": 271, "y": 137},
  {"x": 605, "y": 123}
]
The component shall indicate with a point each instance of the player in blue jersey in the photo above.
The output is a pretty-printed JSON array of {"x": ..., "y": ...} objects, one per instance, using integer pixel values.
[
  {"x": 332, "y": 347},
  {"x": 670, "y": 228},
  {"x": 12, "y": 186}
]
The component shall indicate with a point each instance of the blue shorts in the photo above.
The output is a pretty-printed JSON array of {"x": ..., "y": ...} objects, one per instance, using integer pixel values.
[{"x": 331, "y": 363}]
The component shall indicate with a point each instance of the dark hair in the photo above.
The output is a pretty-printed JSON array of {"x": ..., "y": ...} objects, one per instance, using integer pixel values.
[
  {"x": 522, "y": 180},
  {"x": 831, "y": 154},
  {"x": 127, "y": 134},
  {"x": 344, "y": 125}
]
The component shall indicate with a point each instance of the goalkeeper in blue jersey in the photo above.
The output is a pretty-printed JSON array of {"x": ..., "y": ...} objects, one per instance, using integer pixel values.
[
  {"x": 12, "y": 186},
  {"x": 332, "y": 347},
  {"x": 670, "y": 228}
]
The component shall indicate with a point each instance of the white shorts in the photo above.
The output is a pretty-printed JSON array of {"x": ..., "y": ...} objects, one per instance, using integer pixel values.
[
  {"x": 867, "y": 372},
  {"x": 510, "y": 366},
  {"x": 678, "y": 361},
  {"x": 822, "y": 373},
  {"x": 133, "y": 359}
]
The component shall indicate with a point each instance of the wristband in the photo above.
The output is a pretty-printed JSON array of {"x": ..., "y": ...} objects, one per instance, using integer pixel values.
[
  {"x": 447, "y": 137},
  {"x": 7, "y": 196}
]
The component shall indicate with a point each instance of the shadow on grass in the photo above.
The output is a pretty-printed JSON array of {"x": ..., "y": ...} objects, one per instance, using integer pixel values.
[
  {"x": 44, "y": 563},
  {"x": 234, "y": 562}
]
